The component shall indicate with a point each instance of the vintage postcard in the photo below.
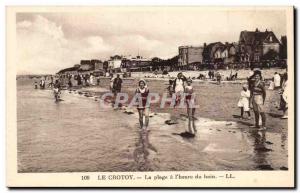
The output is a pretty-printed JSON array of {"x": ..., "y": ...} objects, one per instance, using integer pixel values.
[{"x": 150, "y": 96}]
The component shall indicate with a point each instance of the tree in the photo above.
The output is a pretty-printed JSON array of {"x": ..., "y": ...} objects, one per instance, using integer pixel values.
[{"x": 271, "y": 55}]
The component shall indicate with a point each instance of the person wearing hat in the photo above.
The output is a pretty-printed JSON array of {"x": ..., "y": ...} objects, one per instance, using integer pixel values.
[
  {"x": 258, "y": 93},
  {"x": 177, "y": 89},
  {"x": 143, "y": 107},
  {"x": 190, "y": 106},
  {"x": 243, "y": 103}
]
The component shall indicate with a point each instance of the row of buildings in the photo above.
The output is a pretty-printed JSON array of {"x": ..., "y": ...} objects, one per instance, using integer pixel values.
[
  {"x": 252, "y": 47},
  {"x": 116, "y": 63}
]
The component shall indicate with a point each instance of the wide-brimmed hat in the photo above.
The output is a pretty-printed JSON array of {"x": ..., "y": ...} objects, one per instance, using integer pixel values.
[
  {"x": 142, "y": 80},
  {"x": 257, "y": 71}
]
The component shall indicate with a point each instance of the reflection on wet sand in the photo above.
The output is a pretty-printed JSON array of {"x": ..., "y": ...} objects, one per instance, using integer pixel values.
[
  {"x": 264, "y": 147},
  {"x": 142, "y": 151},
  {"x": 260, "y": 150}
]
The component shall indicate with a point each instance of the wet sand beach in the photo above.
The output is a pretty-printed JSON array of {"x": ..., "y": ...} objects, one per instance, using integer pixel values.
[{"x": 77, "y": 135}]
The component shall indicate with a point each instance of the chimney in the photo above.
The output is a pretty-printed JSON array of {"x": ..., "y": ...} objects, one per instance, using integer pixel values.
[
  {"x": 266, "y": 30},
  {"x": 204, "y": 45},
  {"x": 256, "y": 30}
]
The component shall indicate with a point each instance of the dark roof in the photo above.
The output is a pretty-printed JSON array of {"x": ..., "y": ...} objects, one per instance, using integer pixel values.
[
  {"x": 254, "y": 37},
  {"x": 207, "y": 49},
  {"x": 211, "y": 45}
]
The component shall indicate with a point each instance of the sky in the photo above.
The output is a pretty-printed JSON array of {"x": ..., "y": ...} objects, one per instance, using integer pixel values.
[{"x": 50, "y": 41}]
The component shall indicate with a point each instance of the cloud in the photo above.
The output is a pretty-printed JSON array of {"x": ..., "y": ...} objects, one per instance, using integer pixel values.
[
  {"x": 48, "y": 42},
  {"x": 24, "y": 24},
  {"x": 43, "y": 47}
]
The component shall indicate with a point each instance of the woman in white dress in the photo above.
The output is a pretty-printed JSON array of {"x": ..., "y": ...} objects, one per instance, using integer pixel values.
[
  {"x": 284, "y": 97},
  {"x": 243, "y": 103}
]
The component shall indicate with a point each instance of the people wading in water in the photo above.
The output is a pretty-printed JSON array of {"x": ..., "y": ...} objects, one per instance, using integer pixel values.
[
  {"x": 258, "y": 92},
  {"x": 143, "y": 107},
  {"x": 56, "y": 90}
]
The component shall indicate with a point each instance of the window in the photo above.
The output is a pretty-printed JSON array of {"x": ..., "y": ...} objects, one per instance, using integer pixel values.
[{"x": 271, "y": 38}]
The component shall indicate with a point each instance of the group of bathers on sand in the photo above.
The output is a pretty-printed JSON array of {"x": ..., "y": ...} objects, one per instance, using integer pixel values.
[{"x": 253, "y": 96}]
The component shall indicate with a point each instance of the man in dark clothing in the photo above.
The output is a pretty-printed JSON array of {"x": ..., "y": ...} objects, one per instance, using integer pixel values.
[
  {"x": 78, "y": 79},
  {"x": 117, "y": 85}
]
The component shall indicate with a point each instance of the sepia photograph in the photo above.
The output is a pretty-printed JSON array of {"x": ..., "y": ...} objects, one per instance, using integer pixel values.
[{"x": 137, "y": 90}]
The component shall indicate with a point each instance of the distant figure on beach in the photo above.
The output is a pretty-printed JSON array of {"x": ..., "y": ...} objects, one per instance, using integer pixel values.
[
  {"x": 117, "y": 84},
  {"x": 219, "y": 77},
  {"x": 201, "y": 76},
  {"x": 57, "y": 84},
  {"x": 170, "y": 87},
  {"x": 233, "y": 75},
  {"x": 258, "y": 93},
  {"x": 70, "y": 84},
  {"x": 243, "y": 103},
  {"x": 284, "y": 97},
  {"x": 190, "y": 107},
  {"x": 35, "y": 83},
  {"x": 98, "y": 80},
  {"x": 78, "y": 78},
  {"x": 111, "y": 82},
  {"x": 56, "y": 90},
  {"x": 87, "y": 80},
  {"x": 91, "y": 80},
  {"x": 250, "y": 81},
  {"x": 51, "y": 84},
  {"x": 143, "y": 107},
  {"x": 178, "y": 89},
  {"x": 42, "y": 83},
  {"x": 277, "y": 81},
  {"x": 210, "y": 74}
]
